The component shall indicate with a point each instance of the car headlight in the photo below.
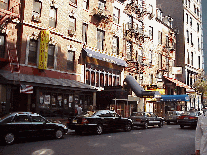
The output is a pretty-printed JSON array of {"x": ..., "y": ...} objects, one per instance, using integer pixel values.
[{"x": 65, "y": 127}]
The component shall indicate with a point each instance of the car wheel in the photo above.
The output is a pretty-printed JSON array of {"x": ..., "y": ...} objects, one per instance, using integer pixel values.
[
  {"x": 128, "y": 127},
  {"x": 146, "y": 125},
  {"x": 181, "y": 126},
  {"x": 161, "y": 124},
  {"x": 59, "y": 134},
  {"x": 9, "y": 138},
  {"x": 99, "y": 129},
  {"x": 168, "y": 123}
]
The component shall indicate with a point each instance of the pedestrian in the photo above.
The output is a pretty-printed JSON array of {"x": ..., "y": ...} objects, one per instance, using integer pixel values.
[
  {"x": 79, "y": 109},
  {"x": 201, "y": 135}
]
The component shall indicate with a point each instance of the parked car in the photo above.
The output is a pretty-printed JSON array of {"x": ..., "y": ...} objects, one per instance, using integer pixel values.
[
  {"x": 189, "y": 118},
  {"x": 145, "y": 119},
  {"x": 98, "y": 122},
  {"x": 28, "y": 124},
  {"x": 172, "y": 116}
]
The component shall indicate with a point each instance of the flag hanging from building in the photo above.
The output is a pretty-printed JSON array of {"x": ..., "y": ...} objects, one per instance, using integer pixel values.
[{"x": 28, "y": 89}]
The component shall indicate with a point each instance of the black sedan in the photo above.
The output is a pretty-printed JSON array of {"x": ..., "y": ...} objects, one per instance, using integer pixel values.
[
  {"x": 145, "y": 119},
  {"x": 189, "y": 118},
  {"x": 98, "y": 122},
  {"x": 27, "y": 124}
]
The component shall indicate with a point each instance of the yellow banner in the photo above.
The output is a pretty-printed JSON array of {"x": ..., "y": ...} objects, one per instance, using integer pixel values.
[{"x": 43, "y": 54}]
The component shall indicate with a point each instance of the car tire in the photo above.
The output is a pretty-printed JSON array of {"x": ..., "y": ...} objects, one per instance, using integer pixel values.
[
  {"x": 181, "y": 126},
  {"x": 9, "y": 138},
  {"x": 168, "y": 123},
  {"x": 145, "y": 125},
  {"x": 128, "y": 127},
  {"x": 59, "y": 134},
  {"x": 99, "y": 129},
  {"x": 161, "y": 124}
]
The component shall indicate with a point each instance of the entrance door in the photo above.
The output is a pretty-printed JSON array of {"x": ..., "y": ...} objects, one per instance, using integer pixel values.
[{"x": 19, "y": 101}]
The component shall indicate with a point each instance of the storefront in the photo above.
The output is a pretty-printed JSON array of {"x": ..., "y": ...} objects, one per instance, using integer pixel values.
[{"x": 48, "y": 96}]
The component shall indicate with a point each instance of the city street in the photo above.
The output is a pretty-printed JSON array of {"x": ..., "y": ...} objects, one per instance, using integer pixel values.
[{"x": 168, "y": 140}]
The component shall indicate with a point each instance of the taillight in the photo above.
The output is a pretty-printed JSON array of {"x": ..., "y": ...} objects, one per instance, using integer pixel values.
[
  {"x": 193, "y": 118},
  {"x": 84, "y": 121}
]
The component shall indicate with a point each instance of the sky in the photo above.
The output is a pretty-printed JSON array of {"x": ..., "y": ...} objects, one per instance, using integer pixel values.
[{"x": 204, "y": 20}]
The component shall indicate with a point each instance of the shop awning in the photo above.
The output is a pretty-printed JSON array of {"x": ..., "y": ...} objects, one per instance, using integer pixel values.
[
  {"x": 15, "y": 78},
  {"x": 177, "y": 82},
  {"x": 174, "y": 98},
  {"x": 103, "y": 57},
  {"x": 138, "y": 90}
]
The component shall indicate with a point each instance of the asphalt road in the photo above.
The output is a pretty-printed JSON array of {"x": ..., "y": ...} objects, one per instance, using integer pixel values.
[{"x": 168, "y": 140}]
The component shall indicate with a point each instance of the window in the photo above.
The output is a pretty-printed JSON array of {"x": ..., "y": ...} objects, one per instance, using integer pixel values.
[
  {"x": 4, "y": 4},
  {"x": 167, "y": 41},
  {"x": 84, "y": 33},
  {"x": 93, "y": 78},
  {"x": 38, "y": 119},
  {"x": 102, "y": 79},
  {"x": 129, "y": 50},
  {"x": 151, "y": 32},
  {"x": 106, "y": 80},
  {"x": 2, "y": 45},
  {"x": 70, "y": 60},
  {"x": 100, "y": 39},
  {"x": 72, "y": 24},
  {"x": 115, "y": 45},
  {"x": 86, "y": 4},
  {"x": 74, "y": 1},
  {"x": 51, "y": 51},
  {"x": 97, "y": 79},
  {"x": 88, "y": 77},
  {"x": 198, "y": 12},
  {"x": 199, "y": 62},
  {"x": 37, "y": 5},
  {"x": 191, "y": 21},
  {"x": 187, "y": 36},
  {"x": 159, "y": 37},
  {"x": 186, "y": 18},
  {"x": 116, "y": 15},
  {"x": 129, "y": 22},
  {"x": 198, "y": 44},
  {"x": 198, "y": 27},
  {"x": 53, "y": 17},
  {"x": 189, "y": 3},
  {"x": 101, "y": 5},
  {"x": 188, "y": 58},
  {"x": 191, "y": 38},
  {"x": 160, "y": 61},
  {"x": 32, "y": 57},
  {"x": 194, "y": 9},
  {"x": 21, "y": 118},
  {"x": 192, "y": 58}
]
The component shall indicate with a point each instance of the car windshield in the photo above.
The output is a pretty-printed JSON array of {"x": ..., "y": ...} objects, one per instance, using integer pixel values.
[
  {"x": 189, "y": 113},
  {"x": 137, "y": 114},
  {"x": 4, "y": 116}
]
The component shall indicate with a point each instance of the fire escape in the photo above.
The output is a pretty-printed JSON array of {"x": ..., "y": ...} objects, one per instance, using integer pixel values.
[{"x": 9, "y": 12}]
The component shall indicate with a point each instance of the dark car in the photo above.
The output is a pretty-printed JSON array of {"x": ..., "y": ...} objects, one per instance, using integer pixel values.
[
  {"x": 189, "y": 118},
  {"x": 98, "y": 122},
  {"x": 172, "y": 116},
  {"x": 145, "y": 119},
  {"x": 27, "y": 124}
]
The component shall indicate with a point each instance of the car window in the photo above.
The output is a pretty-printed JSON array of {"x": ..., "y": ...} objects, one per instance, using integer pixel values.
[
  {"x": 153, "y": 115},
  {"x": 8, "y": 119},
  {"x": 21, "y": 118},
  {"x": 148, "y": 115},
  {"x": 113, "y": 114},
  {"x": 137, "y": 114},
  {"x": 38, "y": 119}
]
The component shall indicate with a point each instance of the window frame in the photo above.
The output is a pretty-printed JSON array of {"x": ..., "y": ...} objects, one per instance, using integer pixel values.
[
  {"x": 51, "y": 19},
  {"x": 100, "y": 39},
  {"x": 29, "y": 54},
  {"x": 49, "y": 56},
  {"x": 3, "y": 46},
  {"x": 71, "y": 62}
]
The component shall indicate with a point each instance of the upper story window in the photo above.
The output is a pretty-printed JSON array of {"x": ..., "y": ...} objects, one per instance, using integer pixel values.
[
  {"x": 159, "y": 37},
  {"x": 72, "y": 25},
  {"x": 192, "y": 58},
  {"x": 84, "y": 33},
  {"x": 167, "y": 41},
  {"x": 189, "y": 3},
  {"x": 129, "y": 50},
  {"x": 116, "y": 15},
  {"x": 191, "y": 21},
  {"x": 151, "y": 32},
  {"x": 194, "y": 9},
  {"x": 101, "y": 5},
  {"x": 51, "y": 52},
  {"x": 129, "y": 22},
  {"x": 71, "y": 60},
  {"x": 100, "y": 39},
  {"x": 4, "y": 4},
  {"x": 37, "y": 6},
  {"x": 32, "y": 56},
  {"x": 86, "y": 4},
  {"x": 199, "y": 62},
  {"x": 198, "y": 27},
  {"x": 191, "y": 38},
  {"x": 2, "y": 45},
  {"x": 74, "y": 1},
  {"x": 187, "y": 33},
  {"x": 186, "y": 18},
  {"x": 198, "y": 12},
  {"x": 115, "y": 46},
  {"x": 159, "y": 14},
  {"x": 53, "y": 17}
]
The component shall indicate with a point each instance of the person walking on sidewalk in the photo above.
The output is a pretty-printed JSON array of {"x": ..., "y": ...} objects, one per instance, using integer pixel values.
[
  {"x": 201, "y": 135},
  {"x": 79, "y": 109}
]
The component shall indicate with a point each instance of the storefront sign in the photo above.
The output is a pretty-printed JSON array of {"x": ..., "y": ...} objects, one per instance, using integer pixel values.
[{"x": 43, "y": 54}]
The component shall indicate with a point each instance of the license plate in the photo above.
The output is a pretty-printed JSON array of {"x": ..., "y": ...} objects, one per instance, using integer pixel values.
[
  {"x": 74, "y": 121},
  {"x": 138, "y": 120},
  {"x": 170, "y": 118},
  {"x": 185, "y": 117}
]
